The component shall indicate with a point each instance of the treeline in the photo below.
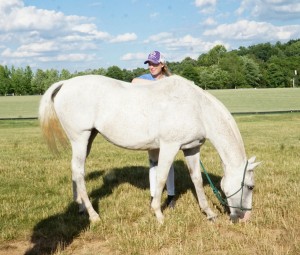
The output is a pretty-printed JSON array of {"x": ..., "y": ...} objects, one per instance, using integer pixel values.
[{"x": 258, "y": 66}]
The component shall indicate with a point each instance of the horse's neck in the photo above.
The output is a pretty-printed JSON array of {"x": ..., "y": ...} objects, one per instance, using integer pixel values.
[{"x": 223, "y": 133}]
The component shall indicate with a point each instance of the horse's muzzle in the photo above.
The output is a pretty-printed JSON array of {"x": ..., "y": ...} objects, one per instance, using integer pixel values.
[{"x": 240, "y": 217}]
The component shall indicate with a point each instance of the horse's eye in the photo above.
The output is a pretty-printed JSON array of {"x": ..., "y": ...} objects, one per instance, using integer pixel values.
[{"x": 250, "y": 187}]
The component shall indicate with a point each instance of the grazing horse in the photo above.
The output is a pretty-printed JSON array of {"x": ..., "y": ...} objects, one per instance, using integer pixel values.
[{"x": 163, "y": 117}]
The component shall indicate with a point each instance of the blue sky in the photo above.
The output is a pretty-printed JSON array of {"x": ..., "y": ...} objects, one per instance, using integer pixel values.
[{"x": 90, "y": 34}]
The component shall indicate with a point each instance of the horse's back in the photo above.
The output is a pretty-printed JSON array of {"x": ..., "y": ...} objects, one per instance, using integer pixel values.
[{"x": 129, "y": 115}]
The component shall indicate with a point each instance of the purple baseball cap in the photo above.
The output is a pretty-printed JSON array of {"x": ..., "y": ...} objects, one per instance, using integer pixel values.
[{"x": 155, "y": 57}]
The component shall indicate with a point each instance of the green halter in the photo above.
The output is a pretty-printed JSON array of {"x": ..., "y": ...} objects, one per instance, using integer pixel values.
[{"x": 219, "y": 196}]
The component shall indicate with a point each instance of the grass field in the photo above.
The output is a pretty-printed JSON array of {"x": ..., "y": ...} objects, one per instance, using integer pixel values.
[
  {"x": 19, "y": 106},
  {"x": 239, "y": 100},
  {"x": 37, "y": 215},
  {"x": 259, "y": 100}
]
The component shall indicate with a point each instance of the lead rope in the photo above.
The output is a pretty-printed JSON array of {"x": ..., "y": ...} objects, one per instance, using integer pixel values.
[{"x": 218, "y": 193}]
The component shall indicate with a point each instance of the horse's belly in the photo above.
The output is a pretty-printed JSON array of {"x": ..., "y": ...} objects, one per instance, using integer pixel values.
[
  {"x": 192, "y": 144},
  {"x": 132, "y": 143},
  {"x": 129, "y": 135}
]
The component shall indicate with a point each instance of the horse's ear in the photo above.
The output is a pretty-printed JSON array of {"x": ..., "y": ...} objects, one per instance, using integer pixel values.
[
  {"x": 252, "y": 164},
  {"x": 251, "y": 160}
]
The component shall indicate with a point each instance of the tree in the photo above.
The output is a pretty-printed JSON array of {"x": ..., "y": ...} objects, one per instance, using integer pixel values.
[
  {"x": 251, "y": 72},
  {"x": 115, "y": 72},
  {"x": 28, "y": 75},
  {"x": 213, "y": 77},
  {"x": 233, "y": 65},
  {"x": 138, "y": 72},
  {"x": 263, "y": 51},
  {"x": 17, "y": 81},
  {"x": 100, "y": 71},
  {"x": 174, "y": 67},
  {"x": 65, "y": 74},
  {"x": 127, "y": 75},
  {"x": 276, "y": 77},
  {"x": 213, "y": 56},
  {"x": 188, "y": 62},
  {"x": 293, "y": 49},
  {"x": 38, "y": 82},
  {"x": 5, "y": 83},
  {"x": 52, "y": 76},
  {"x": 191, "y": 73}
]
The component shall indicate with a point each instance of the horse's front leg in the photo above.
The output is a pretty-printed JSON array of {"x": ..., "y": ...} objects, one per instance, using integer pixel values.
[
  {"x": 192, "y": 157},
  {"x": 167, "y": 154},
  {"x": 79, "y": 150}
]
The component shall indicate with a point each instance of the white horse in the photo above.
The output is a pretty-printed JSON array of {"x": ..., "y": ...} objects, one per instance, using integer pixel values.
[{"x": 163, "y": 117}]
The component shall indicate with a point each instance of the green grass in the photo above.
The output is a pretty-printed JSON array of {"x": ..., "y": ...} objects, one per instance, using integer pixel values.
[
  {"x": 239, "y": 100},
  {"x": 259, "y": 100},
  {"x": 19, "y": 106},
  {"x": 37, "y": 213}
]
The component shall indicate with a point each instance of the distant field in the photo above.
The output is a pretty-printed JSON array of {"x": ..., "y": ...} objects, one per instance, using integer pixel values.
[
  {"x": 19, "y": 106},
  {"x": 259, "y": 100},
  {"x": 237, "y": 101}
]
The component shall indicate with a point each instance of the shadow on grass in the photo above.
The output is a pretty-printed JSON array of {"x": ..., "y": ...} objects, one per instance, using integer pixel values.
[
  {"x": 59, "y": 231},
  {"x": 138, "y": 176}
]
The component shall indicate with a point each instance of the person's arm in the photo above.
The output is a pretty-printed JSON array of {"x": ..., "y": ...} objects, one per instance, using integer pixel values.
[{"x": 140, "y": 80}]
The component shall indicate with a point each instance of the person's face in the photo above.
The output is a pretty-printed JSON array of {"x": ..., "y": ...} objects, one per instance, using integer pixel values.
[{"x": 155, "y": 69}]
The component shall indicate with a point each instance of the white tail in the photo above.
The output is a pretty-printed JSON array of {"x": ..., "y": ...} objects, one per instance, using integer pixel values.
[{"x": 50, "y": 125}]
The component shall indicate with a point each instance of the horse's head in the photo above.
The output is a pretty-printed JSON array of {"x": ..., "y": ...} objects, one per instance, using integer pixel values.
[{"x": 238, "y": 190}]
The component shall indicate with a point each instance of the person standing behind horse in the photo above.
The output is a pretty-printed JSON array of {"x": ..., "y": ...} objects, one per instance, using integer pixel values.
[{"x": 158, "y": 70}]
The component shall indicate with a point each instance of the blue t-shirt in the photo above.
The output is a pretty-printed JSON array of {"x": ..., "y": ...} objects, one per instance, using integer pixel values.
[{"x": 147, "y": 76}]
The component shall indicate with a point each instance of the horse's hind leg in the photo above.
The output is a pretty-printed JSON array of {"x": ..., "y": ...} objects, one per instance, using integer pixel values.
[
  {"x": 193, "y": 163},
  {"x": 79, "y": 154}
]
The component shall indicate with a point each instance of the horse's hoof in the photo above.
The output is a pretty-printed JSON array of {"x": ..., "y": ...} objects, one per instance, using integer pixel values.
[
  {"x": 212, "y": 218},
  {"x": 160, "y": 219},
  {"x": 94, "y": 218},
  {"x": 81, "y": 213},
  {"x": 82, "y": 209},
  {"x": 169, "y": 203}
]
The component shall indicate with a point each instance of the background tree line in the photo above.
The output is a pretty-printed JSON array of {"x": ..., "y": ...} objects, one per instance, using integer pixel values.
[{"x": 258, "y": 66}]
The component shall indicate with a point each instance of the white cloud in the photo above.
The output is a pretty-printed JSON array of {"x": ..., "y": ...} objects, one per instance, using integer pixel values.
[
  {"x": 209, "y": 22},
  {"x": 24, "y": 21},
  {"x": 34, "y": 35},
  {"x": 251, "y": 30},
  {"x": 8, "y": 53},
  {"x": 270, "y": 9},
  {"x": 134, "y": 56},
  {"x": 154, "y": 15},
  {"x": 158, "y": 37},
  {"x": 40, "y": 47},
  {"x": 7, "y": 5},
  {"x": 202, "y": 3},
  {"x": 206, "y": 6},
  {"x": 30, "y": 34},
  {"x": 124, "y": 38},
  {"x": 19, "y": 18},
  {"x": 73, "y": 57},
  {"x": 188, "y": 43}
]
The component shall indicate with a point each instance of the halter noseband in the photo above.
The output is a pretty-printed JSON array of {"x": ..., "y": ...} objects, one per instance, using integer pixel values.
[{"x": 219, "y": 196}]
